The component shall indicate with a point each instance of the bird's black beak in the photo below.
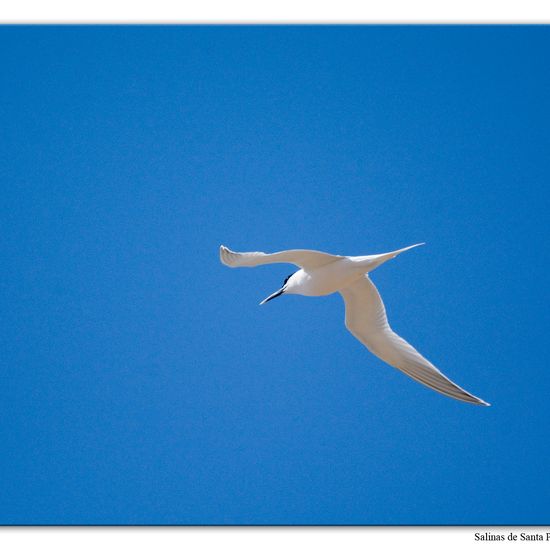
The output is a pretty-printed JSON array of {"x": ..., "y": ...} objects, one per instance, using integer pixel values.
[{"x": 274, "y": 295}]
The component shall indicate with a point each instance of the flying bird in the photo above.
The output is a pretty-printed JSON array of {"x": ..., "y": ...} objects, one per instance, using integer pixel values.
[{"x": 321, "y": 274}]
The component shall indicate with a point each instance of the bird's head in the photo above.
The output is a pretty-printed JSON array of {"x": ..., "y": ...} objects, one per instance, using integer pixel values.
[{"x": 287, "y": 283}]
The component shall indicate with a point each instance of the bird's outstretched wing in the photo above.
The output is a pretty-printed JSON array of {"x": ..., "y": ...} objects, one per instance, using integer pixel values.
[
  {"x": 306, "y": 259},
  {"x": 366, "y": 320}
]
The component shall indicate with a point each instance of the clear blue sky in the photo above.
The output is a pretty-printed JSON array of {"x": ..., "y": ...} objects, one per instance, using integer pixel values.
[{"x": 140, "y": 380}]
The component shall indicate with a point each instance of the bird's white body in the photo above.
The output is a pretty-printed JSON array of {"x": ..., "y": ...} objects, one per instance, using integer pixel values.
[
  {"x": 324, "y": 280},
  {"x": 321, "y": 274},
  {"x": 335, "y": 275}
]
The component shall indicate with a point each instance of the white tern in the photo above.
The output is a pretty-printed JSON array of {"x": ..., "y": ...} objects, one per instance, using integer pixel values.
[{"x": 321, "y": 274}]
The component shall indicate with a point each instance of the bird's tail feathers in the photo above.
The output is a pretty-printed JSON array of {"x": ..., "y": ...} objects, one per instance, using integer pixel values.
[{"x": 375, "y": 260}]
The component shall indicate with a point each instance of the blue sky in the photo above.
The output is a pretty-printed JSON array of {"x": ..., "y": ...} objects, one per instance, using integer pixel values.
[{"x": 141, "y": 381}]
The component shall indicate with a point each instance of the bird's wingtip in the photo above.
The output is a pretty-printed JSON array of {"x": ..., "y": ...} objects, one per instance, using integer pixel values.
[
  {"x": 481, "y": 402},
  {"x": 223, "y": 254}
]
